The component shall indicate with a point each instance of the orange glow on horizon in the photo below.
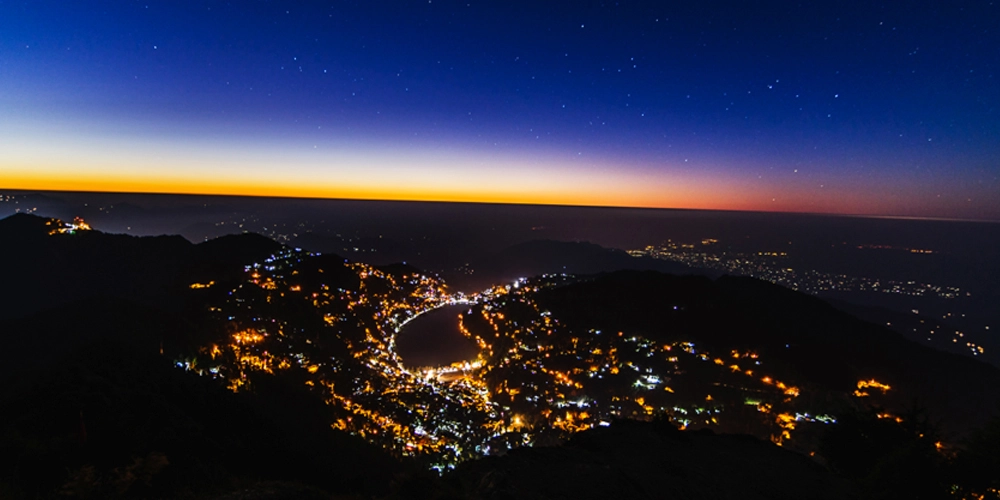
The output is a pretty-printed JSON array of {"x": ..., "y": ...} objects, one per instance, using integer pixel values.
[
  {"x": 424, "y": 176},
  {"x": 596, "y": 197},
  {"x": 102, "y": 164}
]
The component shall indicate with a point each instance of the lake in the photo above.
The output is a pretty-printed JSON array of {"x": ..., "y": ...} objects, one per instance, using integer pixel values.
[{"x": 433, "y": 339}]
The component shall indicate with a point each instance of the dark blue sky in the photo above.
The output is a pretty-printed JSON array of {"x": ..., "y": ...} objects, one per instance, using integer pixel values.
[{"x": 831, "y": 107}]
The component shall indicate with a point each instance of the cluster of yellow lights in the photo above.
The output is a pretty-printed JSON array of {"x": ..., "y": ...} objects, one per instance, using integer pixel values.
[
  {"x": 247, "y": 337},
  {"x": 890, "y": 416},
  {"x": 861, "y": 391},
  {"x": 61, "y": 227},
  {"x": 247, "y": 357}
]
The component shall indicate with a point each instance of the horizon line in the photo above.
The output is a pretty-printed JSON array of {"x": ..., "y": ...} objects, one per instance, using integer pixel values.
[{"x": 509, "y": 203}]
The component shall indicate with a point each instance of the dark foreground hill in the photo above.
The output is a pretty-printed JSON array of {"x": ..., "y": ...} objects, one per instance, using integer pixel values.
[
  {"x": 649, "y": 461},
  {"x": 108, "y": 416}
]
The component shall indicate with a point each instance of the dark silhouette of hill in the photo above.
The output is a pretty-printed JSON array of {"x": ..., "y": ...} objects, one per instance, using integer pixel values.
[
  {"x": 650, "y": 460},
  {"x": 44, "y": 271},
  {"x": 919, "y": 328},
  {"x": 91, "y": 409},
  {"x": 372, "y": 250},
  {"x": 46, "y": 337},
  {"x": 399, "y": 268},
  {"x": 804, "y": 339},
  {"x": 225, "y": 256},
  {"x": 537, "y": 257}
]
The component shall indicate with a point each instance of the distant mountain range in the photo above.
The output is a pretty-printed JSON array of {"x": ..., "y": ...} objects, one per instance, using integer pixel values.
[{"x": 537, "y": 257}]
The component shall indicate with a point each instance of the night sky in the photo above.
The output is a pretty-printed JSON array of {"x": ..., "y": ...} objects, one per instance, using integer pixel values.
[{"x": 863, "y": 108}]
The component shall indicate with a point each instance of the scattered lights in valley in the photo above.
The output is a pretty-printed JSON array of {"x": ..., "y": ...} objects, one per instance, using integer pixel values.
[
  {"x": 559, "y": 381},
  {"x": 775, "y": 266},
  {"x": 331, "y": 324}
]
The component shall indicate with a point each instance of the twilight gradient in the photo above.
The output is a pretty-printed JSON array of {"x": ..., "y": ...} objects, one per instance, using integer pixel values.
[{"x": 867, "y": 108}]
